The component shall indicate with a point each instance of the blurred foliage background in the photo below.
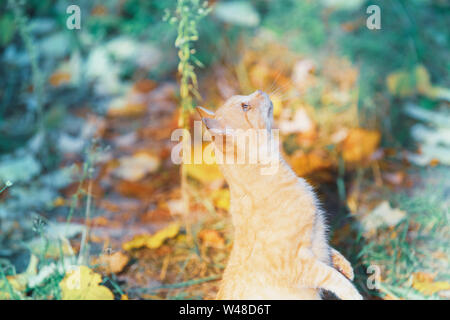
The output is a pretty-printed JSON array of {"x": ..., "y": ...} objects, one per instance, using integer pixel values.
[{"x": 86, "y": 117}]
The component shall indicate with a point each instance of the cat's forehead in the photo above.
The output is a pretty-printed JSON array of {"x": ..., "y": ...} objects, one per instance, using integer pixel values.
[{"x": 236, "y": 99}]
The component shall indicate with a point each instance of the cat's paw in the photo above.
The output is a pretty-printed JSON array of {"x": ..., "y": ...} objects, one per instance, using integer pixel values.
[
  {"x": 341, "y": 264},
  {"x": 350, "y": 294}
]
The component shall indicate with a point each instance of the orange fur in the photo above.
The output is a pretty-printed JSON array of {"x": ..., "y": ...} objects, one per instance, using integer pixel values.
[{"x": 280, "y": 248}]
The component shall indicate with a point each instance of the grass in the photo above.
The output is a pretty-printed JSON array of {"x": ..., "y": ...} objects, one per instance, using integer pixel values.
[{"x": 419, "y": 243}]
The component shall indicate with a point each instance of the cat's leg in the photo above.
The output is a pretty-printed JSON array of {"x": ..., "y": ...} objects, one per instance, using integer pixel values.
[
  {"x": 342, "y": 264},
  {"x": 316, "y": 274},
  {"x": 324, "y": 252}
]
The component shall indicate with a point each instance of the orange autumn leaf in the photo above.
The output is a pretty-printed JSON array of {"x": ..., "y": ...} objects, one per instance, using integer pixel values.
[
  {"x": 59, "y": 78},
  {"x": 306, "y": 163},
  {"x": 360, "y": 144},
  {"x": 211, "y": 238}
]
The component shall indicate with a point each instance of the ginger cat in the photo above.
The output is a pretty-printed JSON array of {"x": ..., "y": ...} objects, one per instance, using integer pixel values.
[{"x": 280, "y": 248}]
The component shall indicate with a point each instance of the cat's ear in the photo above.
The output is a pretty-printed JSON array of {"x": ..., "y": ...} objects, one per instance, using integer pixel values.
[{"x": 205, "y": 113}]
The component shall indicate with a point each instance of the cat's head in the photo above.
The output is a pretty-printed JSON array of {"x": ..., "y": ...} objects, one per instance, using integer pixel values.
[
  {"x": 254, "y": 111},
  {"x": 242, "y": 131},
  {"x": 242, "y": 128}
]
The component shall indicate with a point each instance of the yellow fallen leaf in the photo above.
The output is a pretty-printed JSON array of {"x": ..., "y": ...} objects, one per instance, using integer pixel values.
[
  {"x": 59, "y": 202},
  {"x": 360, "y": 144},
  {"x": 152, "y": 241},
  {"x": 124, "y": 297},
  {"x": 406, "y": 84},
  {"x": 205, "y": 173},
  {"x": 221, "y": 199},
  {"x": 424, "y": 283},
  {"x": 84, "y": 284}
]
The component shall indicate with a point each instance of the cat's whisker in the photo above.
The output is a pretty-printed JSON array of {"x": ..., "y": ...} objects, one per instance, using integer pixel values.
[{"x": 274, "y": 81}]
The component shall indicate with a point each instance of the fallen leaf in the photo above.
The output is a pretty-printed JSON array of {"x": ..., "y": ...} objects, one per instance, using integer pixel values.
[
  {"x": 134, "y": 189},
  {"x": 360, "y": 144},
  {"x": 113, "y": 263},
  {"x": 99, "y": 11},
  {"x": 221, "y": 199},
  {"x": 125, "y": 109},
  {"x": 205, "y": 173},
  {"x": 401, "y": 84},
  {"x": 382, "y": 215},
  {"x": 408, "y": 83},
  {"x": 84, "y": 284},
  {"x": 144, "y": 86},
  {"x": 152, "y": 241},
  {"x": 211, "y": 238},
  {"x": 424, "y": 283},
  {"x": 59, "y": 78},
  {"x": 306, "y": 163},
  {"x": 59, "y": 202},
  {"x": 136, "y": 167}
]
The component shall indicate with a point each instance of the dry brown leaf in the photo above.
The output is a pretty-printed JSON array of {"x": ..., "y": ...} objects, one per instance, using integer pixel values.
[
  {"x": 121, "y": 109},
  {"x": 136, "y": 167},
  {"x": 99, "y": 10},
  {"x": 211, "y": 238},
  {"x": 144, "y": 86},
  {"x": 59, "y": 78},
  {"x": 382, "y": 215},
  {"x": 113, "y": 263},
  {"x": 134, "y": 189}
]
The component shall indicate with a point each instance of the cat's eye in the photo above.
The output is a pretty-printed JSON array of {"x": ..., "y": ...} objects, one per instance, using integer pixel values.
[{"x": 245, "y": 106}]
